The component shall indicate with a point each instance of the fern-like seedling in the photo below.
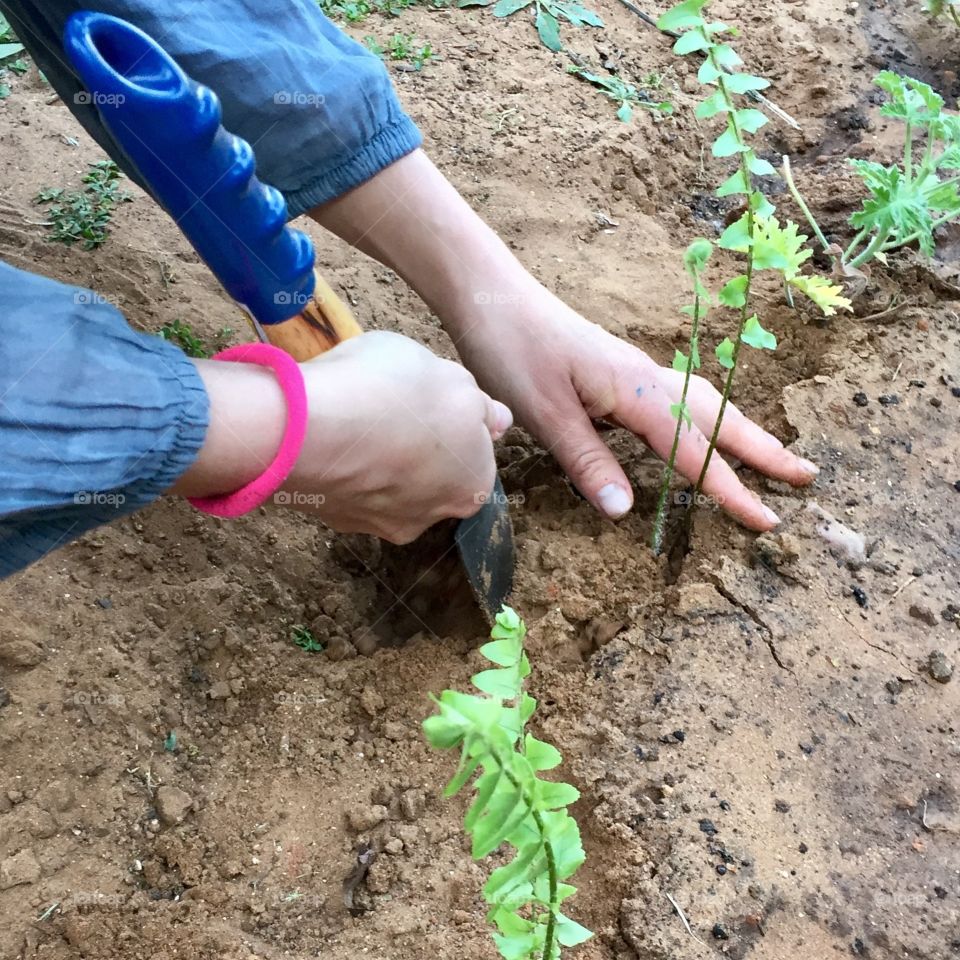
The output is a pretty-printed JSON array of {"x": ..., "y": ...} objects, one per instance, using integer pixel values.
[
  {"x": 761, "y": 239},
  {"x": 512, "y": 804}
]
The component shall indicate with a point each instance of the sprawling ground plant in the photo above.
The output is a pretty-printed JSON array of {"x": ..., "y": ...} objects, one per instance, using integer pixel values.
[
  {"x": 625, "y": 94},
  {"x": 512, "y": 804},
  {"x": 757, "y": 235},
  {"x": 549, "y": 13},
  {"x": 907, "y": 201}
]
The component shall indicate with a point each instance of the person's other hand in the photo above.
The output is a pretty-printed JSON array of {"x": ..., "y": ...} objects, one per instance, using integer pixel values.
[{"x": 557, "y": 371}]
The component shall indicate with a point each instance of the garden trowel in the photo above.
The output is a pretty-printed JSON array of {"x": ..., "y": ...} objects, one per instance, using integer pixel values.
[{"x": 169, "y": 128}]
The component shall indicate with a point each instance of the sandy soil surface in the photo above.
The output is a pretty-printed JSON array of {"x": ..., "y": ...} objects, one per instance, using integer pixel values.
[{"x": 754, "y": 727}]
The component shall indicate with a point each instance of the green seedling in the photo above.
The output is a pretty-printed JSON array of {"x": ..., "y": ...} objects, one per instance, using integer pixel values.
[
  {"x": 305, "y": 640},
  {"x": 356, "y": 11},
  {"x": 402, "y": 47},
  {"x": 625, "y": 94},
  {"x": 181, "y": 333},
  {"x": 512, "y": 804},
  {"x": 907, "y": 201},
  {"x": 757, "y": 236},
  {"x": 84, "y": 215},
  {"x": 548, "y": 16},
  {"x": 940, "y": 8}
]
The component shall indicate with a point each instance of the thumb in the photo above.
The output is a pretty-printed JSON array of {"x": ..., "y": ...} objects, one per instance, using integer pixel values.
[
  {"x": 497, "y": 416},
  {"x": 592, "y": 467}
]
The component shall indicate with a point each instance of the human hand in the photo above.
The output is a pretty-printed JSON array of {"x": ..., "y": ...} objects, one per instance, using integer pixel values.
[
  {"x": 397, "y": 438},
  {"x": 558, "y": 372}
]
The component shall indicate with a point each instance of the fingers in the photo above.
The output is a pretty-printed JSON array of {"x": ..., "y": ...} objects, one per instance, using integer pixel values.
[
  {"x": 498, "y": 417},
  {"x": 652, "y": 419},
  {"x": 590, "y": 465},
  {"x": 739, "y": 435}
]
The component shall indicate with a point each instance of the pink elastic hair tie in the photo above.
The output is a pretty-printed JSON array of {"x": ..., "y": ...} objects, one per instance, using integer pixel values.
[{"x": 290, "y": 378}]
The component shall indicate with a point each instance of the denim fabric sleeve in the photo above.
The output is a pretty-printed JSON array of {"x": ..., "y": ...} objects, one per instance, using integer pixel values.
[
  {"x": 318, "y": 109},
  {"x": 96, "y": 420}
]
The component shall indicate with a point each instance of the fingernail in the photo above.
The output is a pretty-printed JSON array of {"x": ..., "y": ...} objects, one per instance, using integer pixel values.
[
  {"x": 504, "y": 421},
  {"x": 770, "y": 516},
  {"x": 809, "y": 467},
  {"x": 614, "y": 501}
]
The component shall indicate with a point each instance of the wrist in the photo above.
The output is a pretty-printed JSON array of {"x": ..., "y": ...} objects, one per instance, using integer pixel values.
[{"x": 248, "y": 414}]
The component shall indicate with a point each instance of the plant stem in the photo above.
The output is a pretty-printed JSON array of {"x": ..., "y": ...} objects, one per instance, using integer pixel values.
[
  {"x": 802, "y": 204},
  {"x": 953, "y": 13},
  {"x": 744, "y": 310},
  {"x": 552, "y": 879},
  {"x": 908, "y": 152},
  {"x": 854, "y": 243},
  {"x": 874, "y": 247},
  {"x": 660, "y": 520}
]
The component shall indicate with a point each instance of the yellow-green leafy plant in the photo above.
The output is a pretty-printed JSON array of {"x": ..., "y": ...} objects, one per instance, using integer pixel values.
[
  {"x": 757, "y": 236},
  {"x": 512, "y": 805}
]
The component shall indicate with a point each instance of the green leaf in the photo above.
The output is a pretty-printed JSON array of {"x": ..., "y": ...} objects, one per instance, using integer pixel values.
[
  {"x": 681, "y": 363},
  {"x": 680, "y": 411},
  {"x": 728, "y": 144},
  {"x": 541, "y": 755},
  {"x": 724, "y": 352},
  {"x": 548, "y": 29},
  {"x": 578, "y": 15},
  {"x": 505, "y": 807},
  {"x": 826, "y": 295},
  {"x": 474, "y": 3},
  {"x": 691, "y": 42},
  {"x": 683, "y": 16},
  {"x": 470, "y": 758},
  {"x": 910, "y": 100},
  {"x": 529, "y": 863},
  {"x": 570, "y": 933},
  {"x": 726, "y": 57},
  {"x": 755, "y": 336},
  {"x": 760, "y": 167},
  {"x": 518, "y": 947},
  {"x": 715, "y": 104},
  {"x": 696, "y": 255},
  {"x": 504, "y": 653},
  {"x": 486, "y": 784},
  {"x": 10, "y": 51},
  {"x": 779, "y": 248},
  {"x": 508, "y": 624},
  {"x": 551, "y": 795},
  {"x": 734, "y": 293},
  {"x": 745, "y": 83},
  {"x": 564, "y": 835},
  {"x": 504, "y": 684},
  {"x": 504, "y": 8},
  {"x": 736, "y": 236},
  {"x": 750, "y": 121},
  {"x": 736, "y": 184},
  {"x": 441, "y": 733},
  {"x": 625, "y": 113},
  {"x": 708, "y": 73}
]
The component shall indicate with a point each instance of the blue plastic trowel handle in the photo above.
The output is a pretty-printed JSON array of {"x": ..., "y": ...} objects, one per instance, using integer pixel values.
[{"x": 169, "y": 127}]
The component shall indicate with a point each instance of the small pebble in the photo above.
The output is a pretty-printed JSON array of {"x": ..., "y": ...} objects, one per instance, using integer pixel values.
[
  {"x": 860, "y": 399},
  {"x": 719, "y": 932},
  {"x": 721, "y": 869},
  {"x": 860, "y": 595},
  {"x": 939, "y": 667},
  {"x": 888, "y": 400}
]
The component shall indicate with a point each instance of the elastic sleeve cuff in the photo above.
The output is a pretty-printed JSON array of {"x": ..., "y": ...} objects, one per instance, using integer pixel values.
[{"x": 393, "y": 142}]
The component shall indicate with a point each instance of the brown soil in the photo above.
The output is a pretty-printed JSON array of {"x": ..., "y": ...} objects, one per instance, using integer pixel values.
[{"x": 749, "y": 740}]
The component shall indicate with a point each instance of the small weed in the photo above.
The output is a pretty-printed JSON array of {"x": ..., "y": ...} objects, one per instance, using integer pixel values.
[
  {"x": 401, "y": 47},
  {"x": 10, "y": 46},
  {"x": 906, "y": 201},
  {"x": 356, "y": 11},
  {"x": 84, "y": 215},
  {"x": 626, "y": 94},
  {"x": 548, "y": 16},
  {"x": 181, "y": 333},
  {"x": 305, "y": 640}
]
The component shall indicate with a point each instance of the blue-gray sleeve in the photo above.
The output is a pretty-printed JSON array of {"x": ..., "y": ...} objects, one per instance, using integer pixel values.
[
  {"x": 318, "y": 109},
  {"x": 96, "y": 420}
]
